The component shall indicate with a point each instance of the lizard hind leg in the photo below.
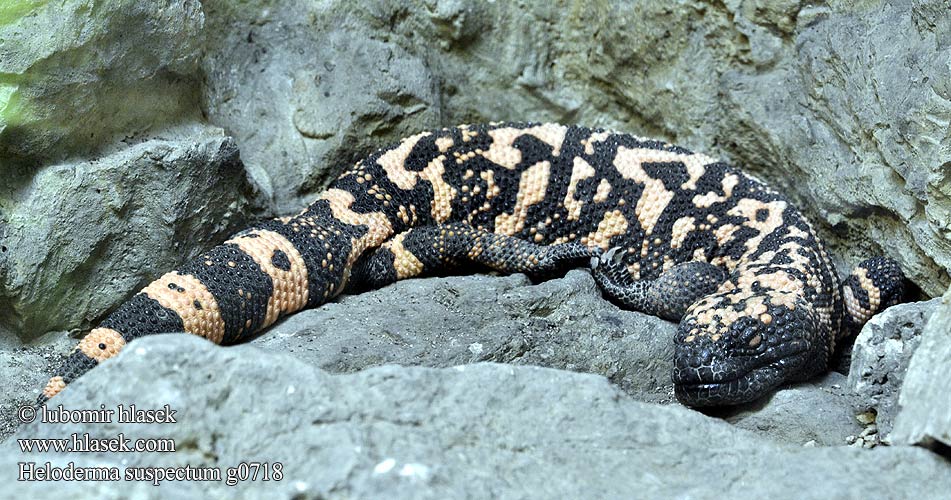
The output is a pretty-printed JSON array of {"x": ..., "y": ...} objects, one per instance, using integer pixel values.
[
  {"x": 431, "y": 249},
  {"x": 668, "y": 296}
]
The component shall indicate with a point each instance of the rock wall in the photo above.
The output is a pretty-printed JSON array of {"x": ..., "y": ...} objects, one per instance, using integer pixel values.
[
  {"x": 78, "y": 76},
  {"x": 110, "y": 173},
  {"x": 81, "y": 236},
  {"x": 845, "y": 106}
]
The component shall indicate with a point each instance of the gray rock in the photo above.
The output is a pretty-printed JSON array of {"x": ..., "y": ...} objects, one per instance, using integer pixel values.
[
  {"x": 25, "y": 370},
  {"x": 440, "y": 322},
  {"x": 328, "y": 90},
  {"x": 851, "y": 120},
  {"x": 880, "y": 358},
  {"x": 924, "y": 414},
  {"x": 483, "y": 430},
  {"x": 820, "y": 412},
  {"x": 80, "y": 237},
  {"x": 76, "y": 78},
  {"x": 775, "y": 86},
  {"x": 561, "y": 323}
]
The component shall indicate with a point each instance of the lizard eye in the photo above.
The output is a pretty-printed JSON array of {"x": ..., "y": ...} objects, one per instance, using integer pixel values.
[{"x": 102, "y": 346}]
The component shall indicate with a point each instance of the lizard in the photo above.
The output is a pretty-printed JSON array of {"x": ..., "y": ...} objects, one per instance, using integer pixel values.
[{"x": 664, "y": 230}]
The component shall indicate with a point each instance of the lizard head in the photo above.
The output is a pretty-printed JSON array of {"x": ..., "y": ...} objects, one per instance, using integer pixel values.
[
  {"x": 736, "y": 346},
  {"x": 97, "y": 346}
]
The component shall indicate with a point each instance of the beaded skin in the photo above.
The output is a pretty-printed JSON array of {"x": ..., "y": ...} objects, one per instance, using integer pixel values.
[{"x": 665, "y": 231}]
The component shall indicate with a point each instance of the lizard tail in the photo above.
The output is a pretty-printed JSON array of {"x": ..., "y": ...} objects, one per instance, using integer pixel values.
[{"x": 874, "y": 285}]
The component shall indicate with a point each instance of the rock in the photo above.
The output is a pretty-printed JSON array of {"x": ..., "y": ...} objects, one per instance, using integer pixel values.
[
  {"x": 441, "y": 322},
  {"x": 924, "y": 414},
  {"x": 851, "y": 120},
  {"x": 25, "y": 370},
  {"x": 329, "y": 90},
  {"x": 561, "y": 323},
  {"x": 819, "y": 412},
  {"x": 81, "y": 236},
  {"x": 880, "y": 357},
  {"x": 76, "y": 78},
  {"x": 484, "y": 430}
]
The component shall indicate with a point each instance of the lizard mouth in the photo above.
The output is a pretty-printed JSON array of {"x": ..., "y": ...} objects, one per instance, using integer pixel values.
[{"x": 736, "y": 380}]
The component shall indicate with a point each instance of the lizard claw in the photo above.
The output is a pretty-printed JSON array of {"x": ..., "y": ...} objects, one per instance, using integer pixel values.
[
  {"x": 611, "y": 257},
  {"x": 614, "y": 255}
]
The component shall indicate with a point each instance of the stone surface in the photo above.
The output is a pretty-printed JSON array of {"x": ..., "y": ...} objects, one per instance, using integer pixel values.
[
  {"x": 439, "y": 322},
  {"x": 484, "y": 430},
  {"x": 818, "y": 413},
  {"x": 880, "y": 358},
  {"x": 851, "y": 118},
  {"x": 561, "y": 323},
  {"x": 855, "y": 132},
  {"x": 924, "y": 414},
  {"x": 25, "y": 370},
  {"x": 77, "y": 76},
  {"x": 80, "y": 237},
  {"x": 328, "y": 89}
]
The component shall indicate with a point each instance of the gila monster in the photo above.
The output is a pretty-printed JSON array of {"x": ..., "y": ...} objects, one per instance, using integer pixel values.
[{"x": 664, "y": 230}]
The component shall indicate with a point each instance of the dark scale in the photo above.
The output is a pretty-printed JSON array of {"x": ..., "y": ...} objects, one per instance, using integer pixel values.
[
  {"x": 279, "y": 260},
  {"x": 142, "y": 315},
  {"x": 758, "y": 303}
]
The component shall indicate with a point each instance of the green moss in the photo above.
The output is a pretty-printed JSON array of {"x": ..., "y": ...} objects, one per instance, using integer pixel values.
[
  {"x": 10, "y": 109},
  {"x": 12, "y": 10}
]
